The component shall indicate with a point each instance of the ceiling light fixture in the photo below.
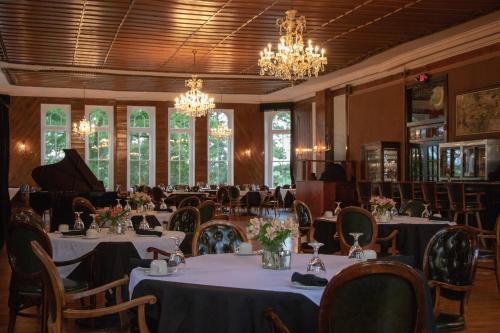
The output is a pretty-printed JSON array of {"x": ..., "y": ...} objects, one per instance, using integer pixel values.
[{"x": 84, "y": 127}]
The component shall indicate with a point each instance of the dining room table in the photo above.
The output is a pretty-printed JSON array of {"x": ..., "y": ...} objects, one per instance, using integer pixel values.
[
  {"x": 413, "y": 234},
  {"x": 113, "y": 251},
  {"x": 230, "y": 292}
]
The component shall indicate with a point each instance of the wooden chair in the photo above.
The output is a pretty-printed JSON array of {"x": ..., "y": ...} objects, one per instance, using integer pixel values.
[
  {"x": 207, "y": 210},
  {"x": 217, "y": 237},
  {"x": 25, "y": 288},
  {"x": 353, "y": 299},
  {"x": 222, "y": 199},
  {"x": 364, "y": 193},
  {"x": 405, "y": 192},
  {"x": 192, "y": 201},
  {"x": 235, "y": 201},
  {"x": 57, "y": 300},
  {"x": 450, "y": 261},
  {"x": 413, "y": 208},
  {"x": 305, "y": 220},
  {"x": 271, "y": 201},
  {"x": 383, "y": 189},
  {"x": 355, "y": 219},
  {"x": 430, "y": 196},
  {"x": 490, "y": 259}
]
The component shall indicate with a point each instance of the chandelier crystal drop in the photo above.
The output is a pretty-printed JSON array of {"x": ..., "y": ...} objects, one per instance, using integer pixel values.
[
  {"x": 293, "y": 61},
  {"x": 194, "y": 103},
  {"x": 83, "y": 128},
  {"x": 221, "y": 131}
]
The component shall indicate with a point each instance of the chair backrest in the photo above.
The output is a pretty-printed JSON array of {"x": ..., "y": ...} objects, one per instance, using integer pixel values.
[
  {"x": 192, "y": 201},
  {"x": 234, "y": 192},
  {"x": 185, "y": 219},
  {"x": 287, "y": 186},
  {"x": 83, "y": 205},
  {"x": 222, "y": 195},
  {"x": 264, "y": 188},
  {"x": 384, "y": 189},
  {"x": 53, "y": 287},
  {"x": 156, "y": 194},
  {"x": 207, "y": 211},
  {"x": 24, "y": 264},
  {"x": 277, "y": 194},
  {"x": 254, "y": 199},
  {"x": 429, "y": 193},
  {"x": 26, "y": 215},
  {"x": 373, "y": 296},
  {"x": 364, "y": 191},
  {"x": 302, "y": 213},
  {"x": 413, "y": 208},
  {"x": 405, "y": 191},
  {"x": 354, "y": 219},
  {"x": 456, "y": 195},
  {"x": 194, "y": 188},
  {"x": 451, "y": 256},
  {"x": 217, "y": 237}
]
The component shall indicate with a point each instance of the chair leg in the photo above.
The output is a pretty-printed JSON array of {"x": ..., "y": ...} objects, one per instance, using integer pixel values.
[
  {"x": 12, "y": 321},
  {"x": 455, "y": 217},
  {"x": 466, "y": 218},
  {"x": 480, "y": 226}
]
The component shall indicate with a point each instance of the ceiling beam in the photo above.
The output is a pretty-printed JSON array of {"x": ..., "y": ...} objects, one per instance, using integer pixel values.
[
  {"x": 130, "y": 5},
  {"x": 79, "y": 30}
]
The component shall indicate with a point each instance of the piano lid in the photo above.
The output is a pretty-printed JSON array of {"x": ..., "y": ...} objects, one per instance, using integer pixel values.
[{"x": 69, "y": 174}]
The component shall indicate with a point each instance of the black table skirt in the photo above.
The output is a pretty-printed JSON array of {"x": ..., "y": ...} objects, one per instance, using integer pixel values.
[{"x": 411, "y": 240}]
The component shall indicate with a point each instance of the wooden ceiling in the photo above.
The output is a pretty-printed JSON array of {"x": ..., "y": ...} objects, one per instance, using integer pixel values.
[{"x": 160, "y": 36}]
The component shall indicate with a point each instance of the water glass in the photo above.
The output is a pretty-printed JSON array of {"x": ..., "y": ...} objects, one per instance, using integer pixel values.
[
  {"x": 337, "y": 209},
  {"x": 118, "y": 204},
  {"x": 316, "y": 265},
  {"x": 356, "y": 251},
  {"x": 78, "y": 222},
  {"x": 144, "y": 225},
  {"x": 426, "y": 214},
  {"x": 94, "y": 224}
]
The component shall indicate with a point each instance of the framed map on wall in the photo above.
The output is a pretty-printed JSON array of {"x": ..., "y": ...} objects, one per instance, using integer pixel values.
[{"x": 478, "y": 112}]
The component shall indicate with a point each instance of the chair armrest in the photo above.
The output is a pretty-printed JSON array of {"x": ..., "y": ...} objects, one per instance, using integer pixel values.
[
  {"x": 76, "y": 260},
  {"x": 220, "y": 217},
  {"x": 439, "y": 284},
  {"x": 100, "y": 289},
  {"x": 389, "y": 237},
  {"x": 276, "y": 322},
  {"x": 93, "y": 313},
  {"x": 157, "y": 251}
]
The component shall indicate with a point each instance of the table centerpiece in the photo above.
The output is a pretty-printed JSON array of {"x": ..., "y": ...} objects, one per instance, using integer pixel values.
[
  {"x": 114, "y": 216},
  {"x": 382, "y": 207},
  {"x": 272, "y": 234},
  {"x": 139, "y": 199}
]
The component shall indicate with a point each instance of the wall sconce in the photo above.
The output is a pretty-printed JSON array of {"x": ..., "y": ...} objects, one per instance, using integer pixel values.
[
  {"x": 247, "y": 153},
  {"x": 21, "y": 147}
]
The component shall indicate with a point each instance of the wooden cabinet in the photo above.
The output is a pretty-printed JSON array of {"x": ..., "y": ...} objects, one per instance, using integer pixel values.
[{"x": 381, "y": 161}]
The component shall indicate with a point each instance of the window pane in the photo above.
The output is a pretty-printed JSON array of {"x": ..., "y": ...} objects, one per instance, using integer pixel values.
[
  {"x": 217, "y": 173},
  {"x": 217, "y": 118},
  {"x": 179, "y": 158},
  {"x": 134, "y": 146},
  {"x": 282, "y": 121},
  {"x": 93, "y": 146},
  {"x": 134, "y": 173},
  {"x": 281, "y": 173},
  {"x": 55, "y": 142},
  {"x": 99, "y": 117},
  {"x": 139, "y": 119},
  {"x": 178, "y": 120},
  {"x": 103, "y": 145},
  {"x": 281, "y": 147},
  {"x": 144, "y": 146},
  {"x": 144, "y": 172},
  {"x": 55, "y": 117}
]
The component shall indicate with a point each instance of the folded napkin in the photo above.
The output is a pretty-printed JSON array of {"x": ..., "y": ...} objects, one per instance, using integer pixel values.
[
  {"x": 438, "y": 218},
  {"x": 149, "y": 233},
  {"x": 73, "y": 233},
  {"x": 309, "y": 279}
]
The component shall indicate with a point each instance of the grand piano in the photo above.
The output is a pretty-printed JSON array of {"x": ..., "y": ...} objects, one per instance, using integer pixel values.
[{"x": 61, "y": 182}]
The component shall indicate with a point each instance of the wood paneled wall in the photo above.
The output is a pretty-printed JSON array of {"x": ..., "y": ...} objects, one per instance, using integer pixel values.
[{"x": 248, "y": 135}]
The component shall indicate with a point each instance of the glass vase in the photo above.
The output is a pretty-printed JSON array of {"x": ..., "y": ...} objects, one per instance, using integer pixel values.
[{"x": 277, "y": 260}]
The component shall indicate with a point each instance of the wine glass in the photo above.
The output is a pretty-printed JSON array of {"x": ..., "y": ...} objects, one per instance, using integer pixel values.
[
  {"x": 144, "y": 225},
  {"x": 94, "y": 224},
  {"x": 394, "y": 211},
  {"x": 356, "y": 251},
  {"x": 78, "y": 222},
  {"x": 118, "y": 204},
  {"x": 337, "y": 209},
  {"x": 163, "y": 205},
  {"x": 316, "y": 265},
  {"x": 426, "y": 214},
  {"x": 177, "y": 259},
  {"x": 127, "y": 205}
]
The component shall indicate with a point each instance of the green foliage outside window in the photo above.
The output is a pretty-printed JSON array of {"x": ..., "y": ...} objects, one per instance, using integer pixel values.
[
  {"x": 54, "y": 136},
  {"x": 281, "y": 149},
  {"x": 98, "y": 146},
  {"x": 179, "y": 141},
  {"x": 218, "y": 151}
]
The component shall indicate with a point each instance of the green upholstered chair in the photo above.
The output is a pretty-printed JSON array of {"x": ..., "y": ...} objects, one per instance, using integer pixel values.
[
  {"x": 192, "y": 201},
  {"x": 450, "y": 261},
  {"x": 207, "y": 211},
  {"x": 187, "y": 220},
  {"x": 413, "y": 208},
  {"x": 25, "y": 285},
  {"x": 355, "y": 219},
  {"x": 217, "y": 237},
  {"x": 222, "y": 198},
  {"x": 371, "y": 296},
  {"x": 304, "y": 218}
]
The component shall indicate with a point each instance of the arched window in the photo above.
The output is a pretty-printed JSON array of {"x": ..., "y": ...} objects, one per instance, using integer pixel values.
[
  {"x": 99, "y": 147},
  {"x": 141, "y": 145},
  {"x": 180, "y": 148},
  {"x": 55, "y": 132},
  {"x": 220, "y": 151},
  {"x": 278, "y": 140}
]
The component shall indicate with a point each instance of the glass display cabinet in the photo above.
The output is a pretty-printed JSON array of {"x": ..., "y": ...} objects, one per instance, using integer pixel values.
[
  {"x": 381, "y": 161},
  {"x": 470, "y": 160}
]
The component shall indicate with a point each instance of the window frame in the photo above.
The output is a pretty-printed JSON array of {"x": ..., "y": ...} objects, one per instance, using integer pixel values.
[
  {"x": 44, "y": 108},
  {"x": 191, "y": 131},
  {"x": 230, "y": 121},
  {"x": 151, "y": 111},
  {"x": 268, "y": 143},
  {"x": 109, "y": 109}
]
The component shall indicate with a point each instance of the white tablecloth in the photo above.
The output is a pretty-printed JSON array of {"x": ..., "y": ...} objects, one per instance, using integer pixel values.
[
  {"x": 67, "y": 248},
  {"x": 284, "y": 191},
  {"x": 262, "y": 193},
  {"x": 400, "y": 219},
  {"x": 232, "y": 271}
]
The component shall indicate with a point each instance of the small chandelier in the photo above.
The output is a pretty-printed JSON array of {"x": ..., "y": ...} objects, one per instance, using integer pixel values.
[
  {"x": 194, "y": 103},
  {"x": 221, "y": 131},
  {"x": 293, "y": 61},
  {"x": 84, "y": 127}
]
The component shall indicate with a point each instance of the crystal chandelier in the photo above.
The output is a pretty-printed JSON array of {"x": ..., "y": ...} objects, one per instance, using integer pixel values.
[
  {"x": 84, "y": 127},
  {"x": 194, "y": 103},
  {"x": 293, "y": 61},
  {"x": 221, "y": 131}
]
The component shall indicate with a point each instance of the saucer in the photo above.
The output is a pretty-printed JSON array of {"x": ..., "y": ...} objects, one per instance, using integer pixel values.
[{"x": 148, "y": 272}]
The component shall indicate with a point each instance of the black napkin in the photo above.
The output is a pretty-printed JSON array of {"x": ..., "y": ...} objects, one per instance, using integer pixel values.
[
  {"x": 439, "y": 219},
  {"x": 309, "y": 279},
  {"x": 144, "y": 263},
  {"x": 73, "y": 233},
  {"x": 149, "y": 233}
]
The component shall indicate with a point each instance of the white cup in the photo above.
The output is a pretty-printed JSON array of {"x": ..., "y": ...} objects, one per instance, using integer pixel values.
[
  {"x": 328, "y": 213},
  {"x": 63, "y": 227},
  {"x": 245, "y": 248},
  {"x": 158, "y": 228},
  {"x": 370, "y": 254},
  {"x": 158, "y": 267},
  {"x": 91, "y": 233}
]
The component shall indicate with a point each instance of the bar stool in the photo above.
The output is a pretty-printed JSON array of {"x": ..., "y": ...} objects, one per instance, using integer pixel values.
[
  {"x": 405, "y": 192},
  {"x": 383, "y": 189},
  {"x": 460, "y": 204},
  {"x": 430, "y": 196},
  {"x": 364, "y": 193}
]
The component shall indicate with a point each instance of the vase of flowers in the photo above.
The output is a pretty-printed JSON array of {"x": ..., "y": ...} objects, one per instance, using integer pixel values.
[
  {"x": 114, "y": 217},
  {"x": 272, "y": 235},
  {"x": 381, "y": 208},
  {"x": 139, "y": 199}
]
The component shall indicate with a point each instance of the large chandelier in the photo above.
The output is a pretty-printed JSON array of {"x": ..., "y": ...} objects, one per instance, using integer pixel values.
[
  {"x": 293, "y": 61},
  {"x": 83, "y": 128},
  {"x": 194, "y": 103},
  {"x": 221, "y": 131}
]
